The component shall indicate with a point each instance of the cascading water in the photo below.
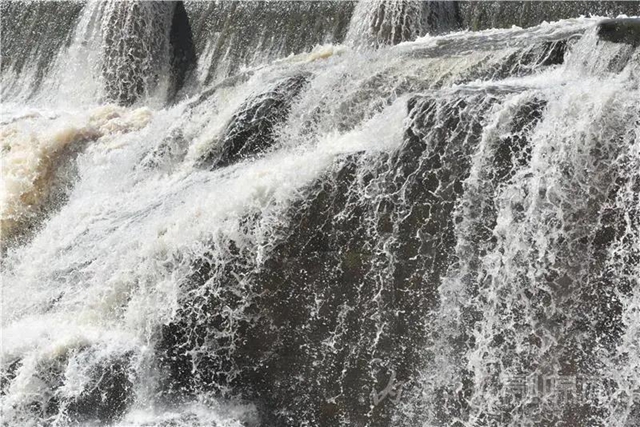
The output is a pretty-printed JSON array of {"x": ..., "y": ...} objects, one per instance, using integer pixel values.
[
  {"x": 119, "y": 52},
  {"x": 382, "y": 22},
  {"x": 438, "y": 233}
]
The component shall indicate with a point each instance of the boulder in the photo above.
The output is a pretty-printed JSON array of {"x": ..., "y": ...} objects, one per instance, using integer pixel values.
[
  {"x": 251, "y": 130},
  {"x": 621, "y": 30}
]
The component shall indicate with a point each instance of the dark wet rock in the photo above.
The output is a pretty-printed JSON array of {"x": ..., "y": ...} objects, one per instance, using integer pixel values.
[
  {"x": 108, "y": 394},
  {"x": 104, "y": 398},
  {"x": 340, "y": 308},
  {"x": 183, "y": 54},
  {"x": 513, "y": 151},
  {"x": 48, "y": 377},
  {"x": 545, "y": 54},
  {"x": 621, "y": 30},
  {"x": 345, "y": 330},
  {"x": 441, "y": 16},
  {"x": 251, "y": 130},
  {"x": 613, "y": 48},
  {"x": 520, "y": 63},
  {"x": 7, "y": 374},
  {"x": 174, "y": 147}
]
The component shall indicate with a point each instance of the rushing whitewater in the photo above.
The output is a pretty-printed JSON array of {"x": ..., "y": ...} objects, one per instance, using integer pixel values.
[{"x": 340, "y": 232}]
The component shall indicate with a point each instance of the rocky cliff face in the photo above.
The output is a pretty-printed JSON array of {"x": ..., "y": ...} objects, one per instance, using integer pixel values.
[{"x": 381, "y": 231}]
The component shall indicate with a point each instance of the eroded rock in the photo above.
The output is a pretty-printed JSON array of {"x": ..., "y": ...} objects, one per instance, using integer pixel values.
[
  {"x": 251, "y": 130},
  {"x": 620, "y": 30}
]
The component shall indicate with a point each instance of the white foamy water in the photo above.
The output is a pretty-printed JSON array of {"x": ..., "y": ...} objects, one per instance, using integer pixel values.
[{"x": 116, "y": 238}]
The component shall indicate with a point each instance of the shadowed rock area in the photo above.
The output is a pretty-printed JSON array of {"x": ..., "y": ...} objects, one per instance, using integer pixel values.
[
  {"x": 251, "y": 130},
  {"x": 104, "y": 396},
  {"x": 620, "y": 31},
  {"x": 368, "y": 235},
  {"x": 341, "y": 306},
  {"x": 183, "y": 54}
]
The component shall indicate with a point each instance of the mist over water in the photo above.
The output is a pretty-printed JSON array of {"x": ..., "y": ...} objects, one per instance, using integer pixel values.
[{"x": 325, "y": 214}]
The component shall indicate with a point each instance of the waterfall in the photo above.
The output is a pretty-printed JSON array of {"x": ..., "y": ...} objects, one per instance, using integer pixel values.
[
  {"x": 365, "y": 215},
  {"x": 120, "y": 52},
  {"x": 383, "y": 22}
]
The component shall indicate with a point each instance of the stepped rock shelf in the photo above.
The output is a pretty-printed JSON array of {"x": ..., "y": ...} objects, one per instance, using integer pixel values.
[{"x": 322, "y": 214}]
